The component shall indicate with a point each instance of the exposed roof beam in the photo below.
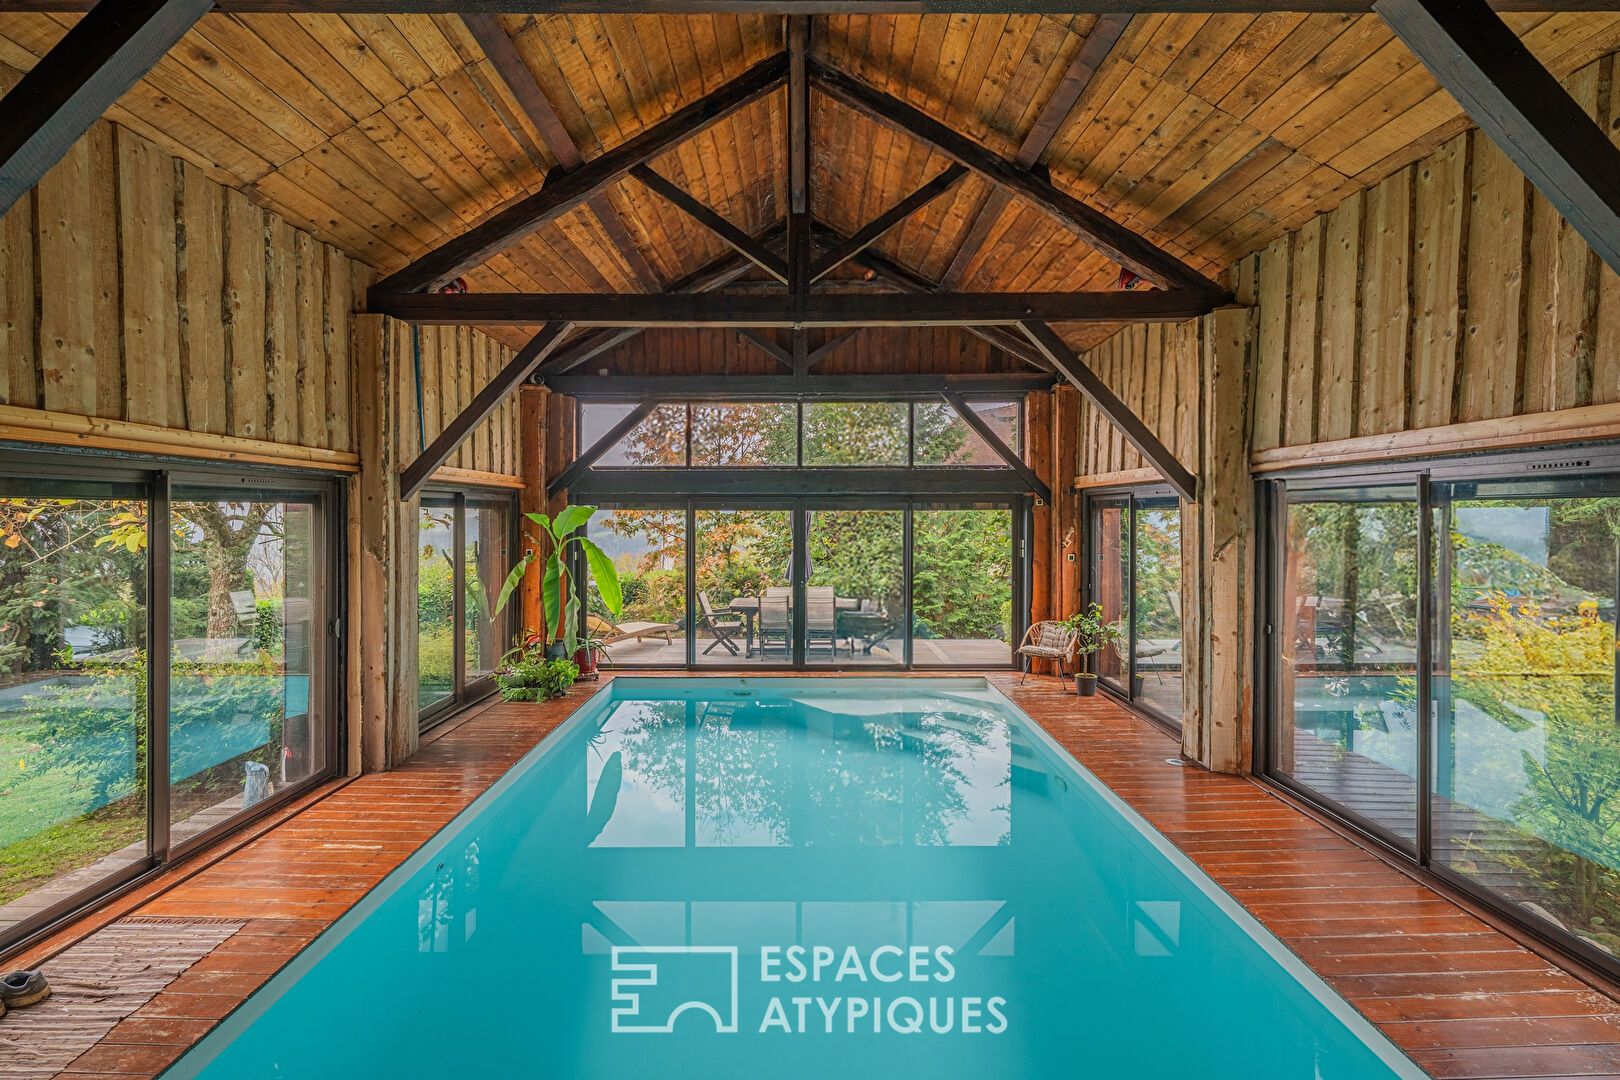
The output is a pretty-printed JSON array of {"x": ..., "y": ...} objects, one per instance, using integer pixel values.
[
  {"x": 814, "y": 7},
  {"x": 908, "y": 280},
  {"x": 1105, "y": 34},
  {"x": 735, "y": 238},
  {"x": 1517, "y": 102},
  {"x": 508, "y": 379},
  {"x": 817, "y": 309},
  {"x": 101, "y": 56},
  {"x": 576, "y": 468},
  {"x": 915, "y": 387},
  {"x": 463, "y": 252},
  {"x": 1090, "y": 384},
  {"x": 767, "y": 346},
  {"x": 868, "y": 234},
  {"x": 993, "y": 441},
  {"x": 1100, "y": 231},
  {"x": 799, "y": 247},
  {"x": 531, "y": 98},
  {"x": 830, "y": 346}
]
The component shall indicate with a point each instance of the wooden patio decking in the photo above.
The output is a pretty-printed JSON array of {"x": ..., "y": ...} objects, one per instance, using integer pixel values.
[{"x": 1461, "y": 998}]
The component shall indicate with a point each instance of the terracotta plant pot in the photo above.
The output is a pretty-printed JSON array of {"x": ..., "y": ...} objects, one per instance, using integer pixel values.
[
  {"x": 585, "y": 660},
  {"x": 1085, "y": 685}
]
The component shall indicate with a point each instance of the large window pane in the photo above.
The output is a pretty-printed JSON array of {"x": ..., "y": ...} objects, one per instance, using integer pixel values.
[
  {"x": 247, "y": 629},
  {"x": 1347, "y": 624},
  {"x": 648, "y": 549},
  {"x": 944, "y": 438},
  {"x": 73, "y": 610},
  {"x": 1527, "y": 740},
  {"x": 435, "y": 603},
  {"x": 759, "y": 433},
  {"x": 961, "y": 587},
  {"x": 1110, "y": 583},
  {"x": 743, "y": 607},
  {"x": 856, "y": 433},
  {"x": 660, "y": 439},
  {"x": 1156, "y": 600},
  {"x": 854, "y": 597},
  {"x": 488, "y": 532}
]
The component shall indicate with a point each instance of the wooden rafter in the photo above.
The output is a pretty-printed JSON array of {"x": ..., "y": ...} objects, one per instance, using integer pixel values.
[
  {"x": 872, "y": 231},
  {"x": 467, "y": 250},
  {"x": 799, "y": 248},
  {"x": 912, "y": 387},
  {"x": 1114, "y": 240},
  {"x": 593, "y": 453},
  {"x": 993, "y": 440},
  {"x": 817, "y": 309},
  {"x": 592, "y": 343},
  {"x": 1516, "y": 101},
  {"x": 491, "y": 394},
  {"x": 1090, "y": 384},
  {"x": 735, "y": 238},
  {"x": 767, "y": 346},
  {"x": 101, "y": 56},
  {"x": 531, "y": 98},
  {"x": 830, "y": 346},
  {"x": 1105, "y": 34}
]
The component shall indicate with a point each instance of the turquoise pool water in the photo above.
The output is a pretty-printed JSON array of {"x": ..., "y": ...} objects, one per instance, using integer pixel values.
[{"x": 796, "y": 878}]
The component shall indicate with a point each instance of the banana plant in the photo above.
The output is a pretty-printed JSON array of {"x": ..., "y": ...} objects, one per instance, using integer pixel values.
[{"x": 562, "y": 617}]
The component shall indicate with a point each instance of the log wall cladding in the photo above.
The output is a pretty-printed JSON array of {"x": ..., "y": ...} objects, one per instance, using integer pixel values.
[
  {"x": 1448, "y": 296},
  {"x": 1154, "y": 368},
  {"x": 137, "y": 291}
]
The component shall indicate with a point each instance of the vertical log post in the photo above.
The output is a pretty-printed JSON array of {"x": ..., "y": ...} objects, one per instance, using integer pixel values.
[
  {"x": 533, "y": 440},
  {"x": 1218, "y": 555},
  {"x": 1038, "y": 455},
  {"x": 383, "y": 603},
  {"x": 1066, "y": 524}
]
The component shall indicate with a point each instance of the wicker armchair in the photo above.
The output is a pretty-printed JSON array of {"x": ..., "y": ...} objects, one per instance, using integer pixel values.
[{"x": 1049, "y": 641}]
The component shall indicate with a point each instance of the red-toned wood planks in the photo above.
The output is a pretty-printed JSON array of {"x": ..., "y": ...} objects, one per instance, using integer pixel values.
[{"x": 1461, "y": 998}]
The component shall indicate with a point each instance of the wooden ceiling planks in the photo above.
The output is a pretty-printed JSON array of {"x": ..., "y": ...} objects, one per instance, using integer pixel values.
[{"x": 1210, "y": 134}]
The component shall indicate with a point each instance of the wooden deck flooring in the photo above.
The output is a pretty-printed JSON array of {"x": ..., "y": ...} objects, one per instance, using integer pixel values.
[{"x": 1458, "y": 996}]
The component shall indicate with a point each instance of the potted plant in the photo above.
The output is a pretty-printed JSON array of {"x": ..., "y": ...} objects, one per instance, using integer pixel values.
[
  {"x": 526, "y": 674},
  {"x": 559, "y": 595},
  {"x": 585, "y": 657},
  {"x": 1090, "y": 635}
]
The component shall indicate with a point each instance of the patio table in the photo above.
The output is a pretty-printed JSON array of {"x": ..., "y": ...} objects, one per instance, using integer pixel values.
[{"x": 748, "y": 608}]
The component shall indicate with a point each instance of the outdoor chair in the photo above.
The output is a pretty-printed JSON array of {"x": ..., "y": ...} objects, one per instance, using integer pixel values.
[
  {"x": 600, "y": 626},
  {"x": 775, "y": 622},
  {"x": 821, "y": 616},
  {"x": 1049, "y": 641},
  {"x": 722, "y": 629}
]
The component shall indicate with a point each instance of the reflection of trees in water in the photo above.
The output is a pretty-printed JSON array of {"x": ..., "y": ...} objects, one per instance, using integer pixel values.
[{"x": 898, "y": 778}]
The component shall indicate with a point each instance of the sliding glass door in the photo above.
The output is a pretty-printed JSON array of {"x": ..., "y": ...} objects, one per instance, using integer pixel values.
[
  {"x": 1134, "y": 540},
  {"x": 1443, "y": 676},
  {"x": 811, "y": 583},
  {"x": 463, "y": 546},
  {"x": 1526, "y": 775},
  {"x": 1347, "y": 627},
  {"x": 166, "y": 667}
]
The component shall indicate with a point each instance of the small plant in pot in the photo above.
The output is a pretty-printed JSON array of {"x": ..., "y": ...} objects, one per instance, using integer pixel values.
[
  {"x": 527, "y": 675},
  {"x": 560, "y": 601},
  {"x": 588, "y": 655},
  {"x": 1091, "y": 635}
]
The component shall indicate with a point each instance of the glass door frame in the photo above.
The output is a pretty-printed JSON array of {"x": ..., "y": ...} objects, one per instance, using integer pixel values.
[
  {"x": 1526, "y": 473},
  {"x": 29, "y": 467},
  {"x": 798, "y": 507},
  {"x": 463, "y": 693}
]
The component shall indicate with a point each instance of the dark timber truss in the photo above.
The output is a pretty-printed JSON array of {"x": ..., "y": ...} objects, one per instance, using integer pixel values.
[{"x": 1463, "y": 43}]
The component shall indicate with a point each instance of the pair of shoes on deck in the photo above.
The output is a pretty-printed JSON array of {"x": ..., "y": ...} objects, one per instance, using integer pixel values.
[{"x": 20, "y": 988}]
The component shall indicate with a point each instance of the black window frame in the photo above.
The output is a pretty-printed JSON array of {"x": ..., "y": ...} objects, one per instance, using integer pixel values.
[
  {"x": 462, "y": 692},
  {"x": 28, "y": 467},
  {"x": 1528, "y": 471}
]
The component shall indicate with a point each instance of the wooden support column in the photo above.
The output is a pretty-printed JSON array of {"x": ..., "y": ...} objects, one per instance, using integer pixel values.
[
  {"x": 382, "y": 611},
  {"x": 533, "y": 437},
  {"x": 1217, "y": 545},
  {"x": 1038, "y": 453},
  {"x": 1066, "y": 525}
]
